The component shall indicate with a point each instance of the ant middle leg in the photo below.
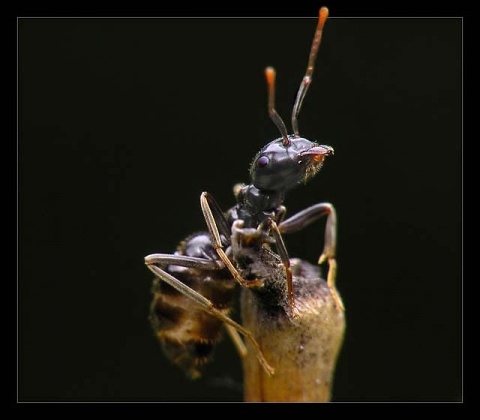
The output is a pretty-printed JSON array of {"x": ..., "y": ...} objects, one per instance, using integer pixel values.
[
  {"x": 152, "y": 261},
  {"x": 304, "y": 218}
]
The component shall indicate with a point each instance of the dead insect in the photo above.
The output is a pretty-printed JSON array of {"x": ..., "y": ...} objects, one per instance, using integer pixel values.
[{"x": 194, "y": 288}]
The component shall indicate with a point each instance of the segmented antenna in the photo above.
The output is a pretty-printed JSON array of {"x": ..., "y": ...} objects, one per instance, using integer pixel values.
[
  {"x": 270, "y": 73},
  {"x": 307, "y": 79}
]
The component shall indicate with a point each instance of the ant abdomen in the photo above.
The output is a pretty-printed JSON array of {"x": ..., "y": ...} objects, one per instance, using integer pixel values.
[{"x": 186, "y": 332}]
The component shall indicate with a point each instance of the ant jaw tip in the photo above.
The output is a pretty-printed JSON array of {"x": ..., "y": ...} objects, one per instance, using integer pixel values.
[
  {"x": 328, "y": 150},
  {"x": 320, "y": 151}
]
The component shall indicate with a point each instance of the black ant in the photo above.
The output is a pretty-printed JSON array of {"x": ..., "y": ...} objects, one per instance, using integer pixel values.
[{"x": 205, "y": 267}]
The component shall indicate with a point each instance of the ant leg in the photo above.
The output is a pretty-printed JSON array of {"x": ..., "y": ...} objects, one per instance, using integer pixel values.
[
  {"x": 269, "y": 224},
  {"x": 207, "y": 305},
  {"x": 217, "y": 224},
  {"x": 237, "y": 188},
  {"x": 305, "y": 217},
  {"x": 184, "y": 261},
  {"x": 281, "y": 212},
  {"x": 237, "y": 341}
]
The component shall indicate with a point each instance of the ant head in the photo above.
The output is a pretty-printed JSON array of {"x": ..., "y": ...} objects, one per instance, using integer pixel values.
[
  {"x": 290, "y": 160},
  {"x": 279, "y": 166}
]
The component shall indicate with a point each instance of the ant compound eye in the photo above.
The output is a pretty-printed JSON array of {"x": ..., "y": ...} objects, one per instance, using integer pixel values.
[{"x": 263, "y": 161}]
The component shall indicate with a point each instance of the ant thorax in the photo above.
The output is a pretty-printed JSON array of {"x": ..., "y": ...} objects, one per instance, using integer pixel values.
[{"x": 254, "y": 206}]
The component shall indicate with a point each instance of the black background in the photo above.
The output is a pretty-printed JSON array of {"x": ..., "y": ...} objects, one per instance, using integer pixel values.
[{"x": 124, "y": 122}]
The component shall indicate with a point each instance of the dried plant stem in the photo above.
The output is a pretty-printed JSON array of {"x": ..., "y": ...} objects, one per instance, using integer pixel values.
[{"x": 302, "y": 350}]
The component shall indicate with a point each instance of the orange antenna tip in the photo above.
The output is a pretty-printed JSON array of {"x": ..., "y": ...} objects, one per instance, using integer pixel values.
[
  {"x": 322, "y": 16},
  {"x": 270, "y": 74}
]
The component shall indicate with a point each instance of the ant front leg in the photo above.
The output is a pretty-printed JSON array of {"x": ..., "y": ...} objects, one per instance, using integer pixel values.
[
  {"x": 305, "y": 217},
  {"x": 154, "y": 260},
  {"x": 217, "y": 224}
]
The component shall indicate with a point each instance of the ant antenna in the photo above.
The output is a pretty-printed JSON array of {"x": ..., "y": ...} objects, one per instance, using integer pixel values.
[
  {"x": 270, "y": 73},
  {"x": 307, "y": 79}
]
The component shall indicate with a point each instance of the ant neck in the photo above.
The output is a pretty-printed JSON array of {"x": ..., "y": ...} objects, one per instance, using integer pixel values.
[{"x": 254, "y": 205}]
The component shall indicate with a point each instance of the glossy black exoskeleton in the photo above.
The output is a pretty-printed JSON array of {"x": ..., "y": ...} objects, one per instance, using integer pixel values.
[{"x": 193, "y": 290}]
